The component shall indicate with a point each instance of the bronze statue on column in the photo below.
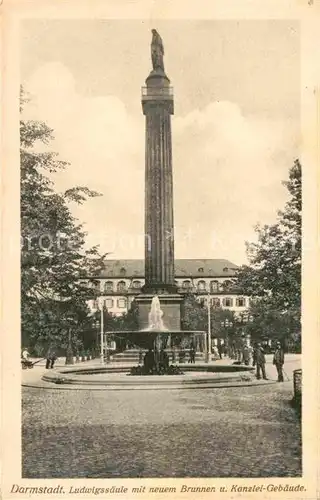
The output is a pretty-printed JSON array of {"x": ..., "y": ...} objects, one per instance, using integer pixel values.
[{"x": 157, "y": 51}]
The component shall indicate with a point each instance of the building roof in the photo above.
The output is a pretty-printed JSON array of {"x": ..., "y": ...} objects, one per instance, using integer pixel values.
[{"x": 129, "y": 268}]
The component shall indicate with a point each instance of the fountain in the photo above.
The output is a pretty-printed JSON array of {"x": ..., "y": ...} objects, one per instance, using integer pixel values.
[{"x": 158, "y": 340}]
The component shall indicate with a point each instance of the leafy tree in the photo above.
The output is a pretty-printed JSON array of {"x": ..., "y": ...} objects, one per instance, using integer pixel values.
[
  {"x": 273, "y": 277},
  {"x": 193, "y": 315},
  {"x": 54, "y": 261},
  {"x": 218, "y": 316},
  {"x": 271, "y": 323}
]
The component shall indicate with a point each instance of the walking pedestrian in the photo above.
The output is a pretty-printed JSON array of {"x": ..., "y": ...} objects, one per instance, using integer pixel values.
[
  {"x": 53, "y": 359},
  {"x": 259, "y": 360},
  {"x": 149, "y": 361},
  {"x": 278, "y": 361},
  {"x": 140, "y": 357},
  {"x": 182, "y": 355},
  {"x": 215, "y": 352},
  {"x": 246, "y": 355},
  {"x": 250, "y": 350},
  {"x": 192, "y": 354},
  {"x": 220, "y": 350},
  {"x": 50, "y": 359},
  {"x": 163, "y": 361},
  {"x": 174, "y": 355}
]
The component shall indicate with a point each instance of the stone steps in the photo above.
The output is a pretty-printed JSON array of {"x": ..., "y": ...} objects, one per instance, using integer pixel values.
[{"x": 132, "y": 356}]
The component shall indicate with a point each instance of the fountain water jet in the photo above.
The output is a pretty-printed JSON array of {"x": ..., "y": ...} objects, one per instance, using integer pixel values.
[{"x": 155, "y": 321}]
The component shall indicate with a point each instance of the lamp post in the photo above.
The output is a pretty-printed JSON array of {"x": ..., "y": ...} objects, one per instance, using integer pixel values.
[
  {"x": 99, "y": 325},
  {"x": 243, "y": 320},
  {"x": 96, "y": 325},
  {"x": 101, "y": 304},
  {"x": 208, "y": 352},
  {"x": 69, "y": 353},
  {"x": 226, "y": 324}
]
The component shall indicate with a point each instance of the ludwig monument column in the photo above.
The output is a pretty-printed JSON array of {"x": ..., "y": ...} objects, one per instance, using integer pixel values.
[{"x": 158, "y": 106}]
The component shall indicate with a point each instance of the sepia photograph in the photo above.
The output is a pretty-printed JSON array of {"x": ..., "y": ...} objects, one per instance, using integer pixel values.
[
  {"x": 160, "y": 249},
  {"x": 159, "y": 269}
]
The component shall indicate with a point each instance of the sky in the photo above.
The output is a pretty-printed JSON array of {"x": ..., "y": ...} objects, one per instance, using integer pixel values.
[{"x": 235, "y": 131}]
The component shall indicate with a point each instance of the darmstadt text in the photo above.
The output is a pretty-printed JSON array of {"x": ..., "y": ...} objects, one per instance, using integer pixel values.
[{"x": 38, "y": 490}]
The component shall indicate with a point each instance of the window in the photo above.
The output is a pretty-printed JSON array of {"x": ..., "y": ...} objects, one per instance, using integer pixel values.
[
  {"x": 108, "y": 286},
  {"x": 109, "y": 303},
  {"x": 226, "y": 285},
  {"x": 201, "y": 285},
  {"x": 186, "y": 284},
  {"x": 214, "y": 286},
  {"x": 136, "y": 284},
  {"x": 240, "y": 302},
  {"x": 122, "y": 271},
  {"x": 122, "y": 303},
  {"x": 228, "y": 302},
  {"x": 225, "y": 269},
  {"x": 215, "y": 302},
  {"x": 200, "y": 270},
  {"x": 121, "y": 286}
]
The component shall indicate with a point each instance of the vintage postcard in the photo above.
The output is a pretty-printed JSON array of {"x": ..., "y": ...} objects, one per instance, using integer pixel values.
[{"x": 160, "y": 254}]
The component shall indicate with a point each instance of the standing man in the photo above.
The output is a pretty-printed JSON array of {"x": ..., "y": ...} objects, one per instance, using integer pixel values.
[
  {"x": 50, "y": 358},
  {"x": 149, "y": 361},
  {"x": 278, "y": 361},
  {"x": 192, "y": 354},
  {"x": 140, "y": 357},
  {"x": 259, "y": 360},
  {"x": 163, "y": 362},
  {"x": 53, "y": 359},
  {"x": 246, "y": 355}
]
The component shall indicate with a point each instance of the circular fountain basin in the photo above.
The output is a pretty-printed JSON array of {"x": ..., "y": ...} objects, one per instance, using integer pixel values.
[{"x": 119, "y": 378}]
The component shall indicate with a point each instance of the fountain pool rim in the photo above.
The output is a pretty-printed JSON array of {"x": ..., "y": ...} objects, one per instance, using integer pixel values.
[{"x": 196, "y": 376}]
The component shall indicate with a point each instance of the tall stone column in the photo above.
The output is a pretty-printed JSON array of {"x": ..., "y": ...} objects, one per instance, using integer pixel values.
[{"x": 157, "y": 105}]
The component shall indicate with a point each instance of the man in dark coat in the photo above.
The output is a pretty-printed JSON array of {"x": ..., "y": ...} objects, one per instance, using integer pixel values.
[
  {"x": 259, "y": 360},
  {"x": 149, "y": 361},
  {"x": 192, "y": 354},
  {"x": 278, "y": 361},
  {"x": 51, "y": 358},
  {"x": 220, "y": 349},
  {"x": 163, "y": 361}
]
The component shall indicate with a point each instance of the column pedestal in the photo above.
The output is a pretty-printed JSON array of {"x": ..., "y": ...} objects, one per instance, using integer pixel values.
[{"x": 170, "y": 306}]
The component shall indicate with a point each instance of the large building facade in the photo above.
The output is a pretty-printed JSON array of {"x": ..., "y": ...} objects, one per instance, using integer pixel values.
[{"x": 121, "y": 282}]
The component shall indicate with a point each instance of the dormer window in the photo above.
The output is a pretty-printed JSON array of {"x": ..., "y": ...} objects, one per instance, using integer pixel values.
[
  {"x": 225, "y": 269},
  {"x": 122, "y": 271},
  {"x": 136, "y": 284},
  {"x": 200, "y": 270}
]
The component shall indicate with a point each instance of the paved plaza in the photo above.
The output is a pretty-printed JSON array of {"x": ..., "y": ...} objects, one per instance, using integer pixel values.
[{"x": 222, "y": 432}]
